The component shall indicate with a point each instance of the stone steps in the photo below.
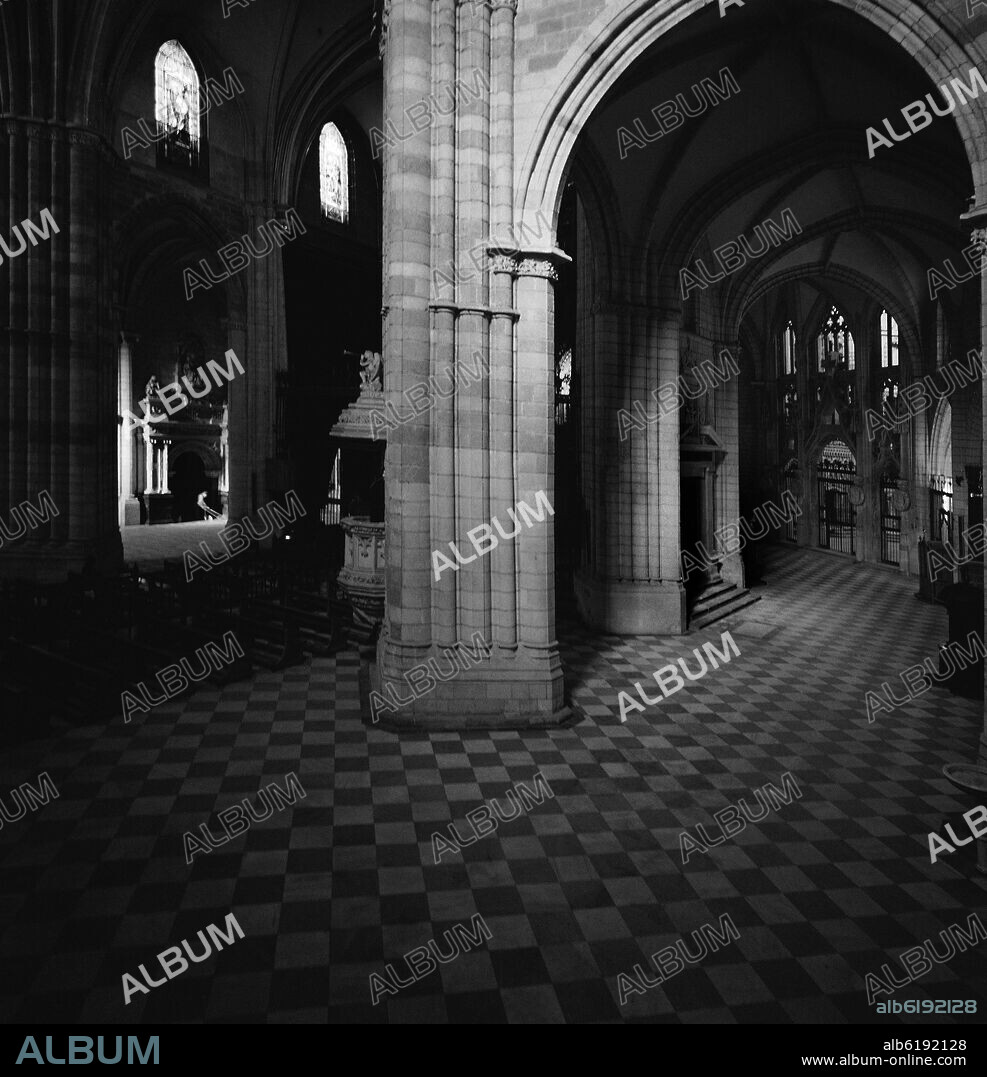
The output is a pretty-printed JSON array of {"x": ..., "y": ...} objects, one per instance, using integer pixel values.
[{"x": 719, "y": 601}]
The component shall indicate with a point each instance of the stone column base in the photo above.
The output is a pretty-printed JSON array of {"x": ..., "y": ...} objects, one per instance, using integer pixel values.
[
  {"x": 632, "y": 608},
  {"x": 506, "y": 691},
  {"x": 131, "y": 512}
]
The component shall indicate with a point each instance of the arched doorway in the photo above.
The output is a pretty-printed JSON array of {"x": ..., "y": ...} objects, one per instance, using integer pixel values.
[{"x": 183, "y": 370}]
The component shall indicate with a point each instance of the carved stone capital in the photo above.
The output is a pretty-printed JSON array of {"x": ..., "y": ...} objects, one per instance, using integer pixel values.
[
  {"x": 538, "y": 267},
  {"x": 539, "y": 262},
  {"x": 84, "y": 138},
  {"x": 493, "y": 5}
]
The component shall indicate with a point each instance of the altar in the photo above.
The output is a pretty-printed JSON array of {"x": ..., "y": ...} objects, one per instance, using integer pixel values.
[{"x": 182, "y": 457}]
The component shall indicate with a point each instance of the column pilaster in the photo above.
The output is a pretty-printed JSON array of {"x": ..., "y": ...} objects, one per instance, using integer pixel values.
[
  {"x": 57, "y": 359},
  {"x": 129, "y": 506},
  {"x": 978, "y": 217},
  {"x": 632, "y": 584},
  {"x": 455, "y": 299}
]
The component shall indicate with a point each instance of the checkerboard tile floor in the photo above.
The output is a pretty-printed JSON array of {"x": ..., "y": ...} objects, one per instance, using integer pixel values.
[{"x": 575, "y": 891}]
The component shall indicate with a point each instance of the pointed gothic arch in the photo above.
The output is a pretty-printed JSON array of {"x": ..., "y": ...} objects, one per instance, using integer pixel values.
[{"x": 609, "y": 47}]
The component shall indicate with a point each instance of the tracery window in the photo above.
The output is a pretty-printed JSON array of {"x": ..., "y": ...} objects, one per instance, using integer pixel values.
[
  {"x": 889, "y": 340},
  {"x": 890, "y": 381},
  {"x": 788, "y": 349},
  {"x": 788, "y": 396},
  {"x": 176, "y": 105},
  {"x": 564, "y": 373},
  {"x": 835, "y": 343},
  {"x": 334, "y": 174},
  {"x": 563, "y": 387}
]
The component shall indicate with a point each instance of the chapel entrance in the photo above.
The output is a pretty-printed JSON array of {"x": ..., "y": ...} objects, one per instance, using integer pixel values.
[
  {"x": 696, "y": 531},
  {"x": 187, "y": 481}
]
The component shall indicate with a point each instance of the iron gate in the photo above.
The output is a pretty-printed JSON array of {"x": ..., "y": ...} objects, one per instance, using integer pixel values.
[
  {"x": 792, "y": 483},
  {"x": 837, "y": 514},
  {"x": 890, "y": 523},
  {"x": 941, "y": 519}
]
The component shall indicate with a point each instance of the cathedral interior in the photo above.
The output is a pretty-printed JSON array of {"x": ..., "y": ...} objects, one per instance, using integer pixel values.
[{"x": 404, "y": 398}]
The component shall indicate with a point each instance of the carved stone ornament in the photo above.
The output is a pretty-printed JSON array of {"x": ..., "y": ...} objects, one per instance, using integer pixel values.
[
  {"x": 538, "y": 267},
  {"x": 384, "y": 17},
  {"x": 357, "y": 421},
  {"x": 371, "y": 379},
  {"x": 901, "y": 499}
]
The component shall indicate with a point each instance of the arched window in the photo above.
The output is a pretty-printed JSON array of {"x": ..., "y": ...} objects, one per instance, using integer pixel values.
[
  {"x": 334, "y": 174},
  {"x": 563, "y": 374},
  {"x": 890, "y": 368},
  {"x": 563, "y": 387},
  {"x": 889, "y": 340},
  {"x": 835, "y": 343},
  {"x": 176, "y": 104},
  {"x": 788, "y": 395},
  {"x": 788, "y": 350},
  {"x": 942, "y": 336}
]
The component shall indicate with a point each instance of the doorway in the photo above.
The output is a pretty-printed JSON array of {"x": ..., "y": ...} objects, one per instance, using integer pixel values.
[
  {"x": 701, "y": 560},
  {"x": 187, "y": 481},
  {"x": 693, "y": 535}
]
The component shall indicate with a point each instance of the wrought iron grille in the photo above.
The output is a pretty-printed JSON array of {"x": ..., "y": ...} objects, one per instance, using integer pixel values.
[
  {"x": 890, "y": 523},
  {"x": 942, "y": 521},
  {"x": 837, "y": 514},
  {"x": 793, "y": 485},
  {"x": 332, "y": 511}
]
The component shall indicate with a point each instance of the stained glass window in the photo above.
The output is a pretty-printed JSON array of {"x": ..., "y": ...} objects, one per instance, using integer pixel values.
[
  {"x": 563, "y": 387},
  {"x": 889, "y": 340},
  {"x": 176, "y": 102},
  {"x": 332, "y": 511},
  {"x": 564, "y": 374},
  {"x": 835, "y": 343},
  {"x": 334, "y": 174},
  {"x": 788, "y": 390},
  {"x": 788, "y": 348}
]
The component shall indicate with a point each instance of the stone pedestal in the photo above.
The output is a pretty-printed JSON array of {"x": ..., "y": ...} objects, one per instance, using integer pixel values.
[
  {"x": 631, "y": 607},
  {"x": 130, "y": 512},
  {"x": 362, "y": 576},
  {"x": 972, "y": 781},
  {"x": 160, "y": 508}
]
